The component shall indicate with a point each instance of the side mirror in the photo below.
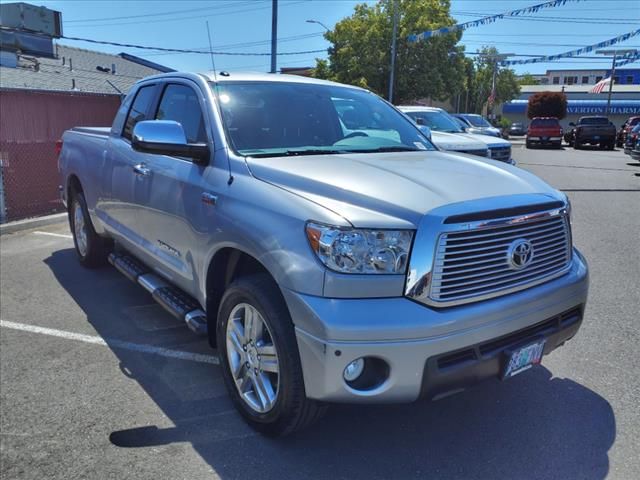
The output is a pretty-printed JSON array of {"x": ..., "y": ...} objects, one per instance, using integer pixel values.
[
  {"x": 426, "y": 131},
  {"x": 420, "y": 121},
  {"x": 166, "y": 137},
  {"x": 571, "y": 124}
]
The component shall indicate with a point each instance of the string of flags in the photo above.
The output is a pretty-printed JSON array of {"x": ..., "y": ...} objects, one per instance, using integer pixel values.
[
  {"x": 575, "y": 53},
  {"x": 487, "y": 20},
  {"x": 628, "y": 58}
]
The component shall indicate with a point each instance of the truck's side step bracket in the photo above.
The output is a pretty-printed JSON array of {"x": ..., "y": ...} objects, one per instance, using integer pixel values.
[{"x": 175, "y": 301}]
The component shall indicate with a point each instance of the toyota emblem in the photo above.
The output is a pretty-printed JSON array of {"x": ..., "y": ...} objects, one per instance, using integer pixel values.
[{"x": 520, "y": 254}]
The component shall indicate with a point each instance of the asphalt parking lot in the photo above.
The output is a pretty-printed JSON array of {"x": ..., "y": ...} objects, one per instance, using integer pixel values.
[{"x": 98, "y": 382}]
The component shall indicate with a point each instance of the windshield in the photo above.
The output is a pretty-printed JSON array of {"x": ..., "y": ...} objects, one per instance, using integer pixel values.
[
  {"x": 544, "y": 122},
  {"x": 477, "y": 121},
  {"x": 594, "y": 121},
  {"x": 438, "y": 121},
  {"x": 273, "y": 119}
]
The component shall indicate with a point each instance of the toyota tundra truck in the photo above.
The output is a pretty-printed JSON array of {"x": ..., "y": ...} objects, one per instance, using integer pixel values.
[{"x": 327, "y": 249}]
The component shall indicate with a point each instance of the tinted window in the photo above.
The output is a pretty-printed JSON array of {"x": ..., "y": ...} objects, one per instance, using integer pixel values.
[
  {"x": 278, "y": 118},
  {"x": 477, "y": 121},
  {"x": 180, "y": 103},
  {"x": 438, "y": 121},
  {"x": 594, "y": 121},
  {"x": 544, "y": 122},
  {"x": 139, "y": 109}
]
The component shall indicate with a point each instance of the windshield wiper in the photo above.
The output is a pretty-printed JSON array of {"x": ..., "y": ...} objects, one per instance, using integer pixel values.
[
  {"x": 393, "y": 148},
  {"x": 297, "y": 153}
]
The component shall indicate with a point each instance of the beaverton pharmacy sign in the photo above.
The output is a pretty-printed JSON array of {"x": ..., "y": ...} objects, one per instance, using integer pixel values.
[{"x": 583, "y": 107}]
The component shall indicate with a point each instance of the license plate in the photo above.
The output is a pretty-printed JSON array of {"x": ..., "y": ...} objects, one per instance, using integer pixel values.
[
  {"x": 596, "y": 137},
  {"x": 523, "y": 358},
  {"x": 545, "y": 139}
]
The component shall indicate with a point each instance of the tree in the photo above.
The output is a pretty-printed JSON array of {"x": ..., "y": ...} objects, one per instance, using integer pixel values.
[
  {"x": 361, "y": 51},
  {"x": 481, "y": 73},
  {"x": 547, "y": 104},
  {"x": 528, "y": 79}
]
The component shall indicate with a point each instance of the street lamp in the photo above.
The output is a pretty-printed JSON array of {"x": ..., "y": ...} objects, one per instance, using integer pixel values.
[
  {"x": 319, "y": 23},
  {"x": 615, "y": 53}
]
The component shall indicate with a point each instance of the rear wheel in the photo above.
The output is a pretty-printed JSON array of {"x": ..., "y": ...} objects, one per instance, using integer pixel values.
[
  {"x": 92, "y": 249},
  {"x": 260, "y": 360}
]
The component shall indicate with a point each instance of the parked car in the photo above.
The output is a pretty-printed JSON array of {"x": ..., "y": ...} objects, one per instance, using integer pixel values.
[
  {"x": 635, "y": 152},
  {"x": 631, "y": 139},
  {"x": 594, "y": 130},
  {"x": 330, "y": 252},
  {"x": 626, "y": 127},
  {"x": 518, "y": 129},
  {"x": 475, "y": 123},
  {"x": 544, "y": 131},
  {"x": 447, "y": 134}
]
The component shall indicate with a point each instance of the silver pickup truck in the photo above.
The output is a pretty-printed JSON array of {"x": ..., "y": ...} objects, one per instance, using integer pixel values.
[{"x": 329, "y": 251}]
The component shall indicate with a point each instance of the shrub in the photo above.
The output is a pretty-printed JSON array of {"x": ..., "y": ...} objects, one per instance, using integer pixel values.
[{"x": 547, "y": 104}]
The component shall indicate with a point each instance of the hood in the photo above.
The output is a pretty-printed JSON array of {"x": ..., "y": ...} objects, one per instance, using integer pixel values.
[
  {"x": 489, "y": 140},
  {"x": 394, "y": 190},
  {"x": 455, "y": 141}
]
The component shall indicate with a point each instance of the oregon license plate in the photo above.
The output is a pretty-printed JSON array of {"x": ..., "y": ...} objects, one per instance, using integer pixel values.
[
  {"x": 523, "y": 358},
  {"x": 596, "y": 137}
]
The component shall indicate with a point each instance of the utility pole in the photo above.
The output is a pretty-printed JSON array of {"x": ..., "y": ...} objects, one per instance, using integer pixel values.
[
  {"x": 495, "y": 59},
  {"x": 615, "y": 53},
  {"x": 274, "y": 36},
  {"x": 393, "y": 50}
]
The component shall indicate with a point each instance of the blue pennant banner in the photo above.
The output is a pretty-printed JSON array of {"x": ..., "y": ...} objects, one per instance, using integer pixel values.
[
  {"x": 628, "y": 58},
  {"x": 487, "y": 20},
  {"x": 575, "y": 53}
]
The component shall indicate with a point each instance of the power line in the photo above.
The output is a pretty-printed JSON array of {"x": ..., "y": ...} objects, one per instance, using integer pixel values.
[
  {"x": 252, "y": 9},
  {"x": 172, "y": 12},
  {"x": 178, "y": 50}
]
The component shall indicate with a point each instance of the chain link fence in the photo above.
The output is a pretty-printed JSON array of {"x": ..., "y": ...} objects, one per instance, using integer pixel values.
[{"x": 30, "y": 124}]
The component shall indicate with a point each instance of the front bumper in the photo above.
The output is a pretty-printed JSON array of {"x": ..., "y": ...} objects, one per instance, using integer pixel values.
[{"x": 409, "y": 337}]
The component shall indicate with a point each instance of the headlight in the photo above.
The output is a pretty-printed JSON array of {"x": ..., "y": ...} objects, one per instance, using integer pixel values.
[{"x": 350, "y": 250}]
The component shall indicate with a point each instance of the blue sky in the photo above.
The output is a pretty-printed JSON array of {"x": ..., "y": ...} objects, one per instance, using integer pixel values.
[{"x": 245, "y": 26}]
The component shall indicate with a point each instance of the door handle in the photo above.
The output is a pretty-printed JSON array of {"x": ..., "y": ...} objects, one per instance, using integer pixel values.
[
  {"x": 209, "y": 198},
  {"x": 141, "y": 169}
]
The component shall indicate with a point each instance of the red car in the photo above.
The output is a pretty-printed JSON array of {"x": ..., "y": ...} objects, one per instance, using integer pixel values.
[
  {"x": 544, "y": 131},
  {"x": 625, "y": 129}
]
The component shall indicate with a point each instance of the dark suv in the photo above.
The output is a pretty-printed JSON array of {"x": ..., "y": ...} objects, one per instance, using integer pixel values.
[{"x": 593, "y": 131}]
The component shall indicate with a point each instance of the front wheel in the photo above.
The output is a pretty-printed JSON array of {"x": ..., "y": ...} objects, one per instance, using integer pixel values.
[{"x": 260, "y": 360}]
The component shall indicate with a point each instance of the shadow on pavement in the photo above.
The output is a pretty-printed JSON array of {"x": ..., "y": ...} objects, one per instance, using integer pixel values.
[{"x": 532, "y": 426}]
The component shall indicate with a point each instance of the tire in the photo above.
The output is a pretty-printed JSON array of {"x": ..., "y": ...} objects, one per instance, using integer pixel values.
[
  {"x": 576, "y": 145},
  {"x": 92, "y": 249},
  {"x": 527, "y": 144},
  {"x": 290, "y": 409}
]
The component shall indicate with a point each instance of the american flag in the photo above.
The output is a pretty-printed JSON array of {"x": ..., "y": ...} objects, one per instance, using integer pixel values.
[{"x": 600, "y": 86}]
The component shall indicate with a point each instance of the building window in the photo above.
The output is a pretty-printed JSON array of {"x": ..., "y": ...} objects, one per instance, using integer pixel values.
[
  {"x": 616, "y": 79},
  {"x": 598, "y": 78},
  {"x": 556, "y": 80},
  {"x": 629, "y": 80},
  {"x": 585, "y": 80},
  {"x": 570, "y": 80}
]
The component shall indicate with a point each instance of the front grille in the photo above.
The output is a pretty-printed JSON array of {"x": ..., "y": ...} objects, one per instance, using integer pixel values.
[
  {"x": 502, "y": 154},
  {"x": 479, "y": 263},
  {"x": 480, "y": 153}
]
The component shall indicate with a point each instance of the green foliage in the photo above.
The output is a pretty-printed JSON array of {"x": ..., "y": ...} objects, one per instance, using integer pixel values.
[
  {"x": 503, "y": 123},
  {"x": 547, "y": 104},
  {"x": 528, "y": 79},
  {"x": 361, "y": 51},
  {"x": 480, "y": 80}
]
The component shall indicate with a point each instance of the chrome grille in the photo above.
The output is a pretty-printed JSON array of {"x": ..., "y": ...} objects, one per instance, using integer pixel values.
[
  {"x": 473, "y": 264},
  {"x": 502, "y": 154}
]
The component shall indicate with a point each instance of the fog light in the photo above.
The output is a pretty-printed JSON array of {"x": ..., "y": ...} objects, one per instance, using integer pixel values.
[{"x": 353, "y": 370}]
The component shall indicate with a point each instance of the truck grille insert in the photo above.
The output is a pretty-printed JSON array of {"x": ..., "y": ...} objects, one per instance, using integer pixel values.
[
  {"x": 487, "y": 261},
  {"x": 502, "y": 154}
]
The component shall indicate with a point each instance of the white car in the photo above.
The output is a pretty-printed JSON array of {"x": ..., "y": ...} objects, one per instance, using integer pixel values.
[{"x": 447, "y": 134}]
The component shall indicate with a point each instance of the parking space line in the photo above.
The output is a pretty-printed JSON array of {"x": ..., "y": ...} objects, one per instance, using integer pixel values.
[
  {"x": 112, "y": 343},
  {"x": 51, "y": 234}
]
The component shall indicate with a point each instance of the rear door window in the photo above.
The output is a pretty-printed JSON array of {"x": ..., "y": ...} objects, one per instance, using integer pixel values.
[
  {"x": 180, "y": 103},
  {"x": 139, "y": 110}
]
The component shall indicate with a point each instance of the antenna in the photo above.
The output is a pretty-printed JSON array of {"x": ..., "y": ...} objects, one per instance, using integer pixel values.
[{"x": 213, "y": 63}]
